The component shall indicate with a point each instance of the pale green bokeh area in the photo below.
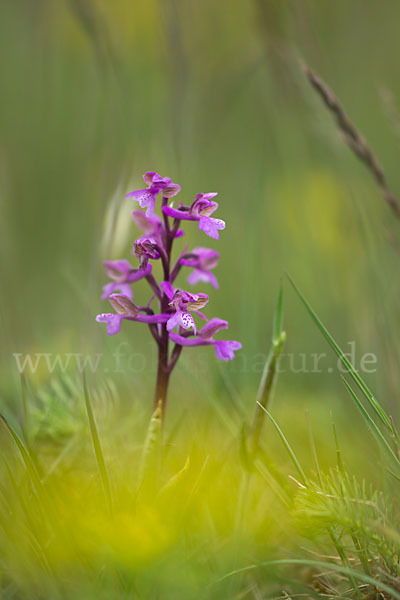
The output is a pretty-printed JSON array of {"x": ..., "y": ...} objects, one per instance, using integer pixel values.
[{"x": 96, "y": 93}]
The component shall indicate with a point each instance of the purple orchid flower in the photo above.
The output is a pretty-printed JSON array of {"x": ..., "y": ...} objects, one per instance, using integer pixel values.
[
  {"x": 200, "y": 211},
  {"x": 224, "y": 349},
  {"x": 202, "y": 260},
  {"x": 156, "y": 184},
  {"x": 183, "y": 302},
  {"x": 123, "y": 275},
  {"x": 126, "y": 309},
  {"x": 176, "y": 307}
]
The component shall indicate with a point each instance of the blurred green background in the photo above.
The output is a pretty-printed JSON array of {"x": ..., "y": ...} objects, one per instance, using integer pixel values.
[{"x": 95, "y": 93}]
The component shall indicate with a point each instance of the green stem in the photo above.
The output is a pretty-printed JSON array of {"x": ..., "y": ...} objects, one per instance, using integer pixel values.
[{"x": 265, "y": 391}]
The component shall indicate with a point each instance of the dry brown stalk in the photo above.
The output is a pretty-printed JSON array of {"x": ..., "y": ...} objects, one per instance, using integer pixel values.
[{"x": 353, "y": 138}]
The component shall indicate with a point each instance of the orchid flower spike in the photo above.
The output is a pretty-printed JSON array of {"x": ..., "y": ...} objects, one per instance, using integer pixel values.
[{"x": 172, "y": 320}]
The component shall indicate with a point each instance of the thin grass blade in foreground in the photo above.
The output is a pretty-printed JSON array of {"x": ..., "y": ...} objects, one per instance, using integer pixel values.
[
  {"x": 324, "y": 566},
  {"x": 372, "y": 426},
  {"x": 314, "y": 451},
  {"x": 97, "y": 447},
  {"x": 288, "y": 447},
  {"x": 338, "y": 451},
  {"x": 30, "y": 466},
  {"x": 25, "y": 407},
  {"x": 378, "y": 409}
]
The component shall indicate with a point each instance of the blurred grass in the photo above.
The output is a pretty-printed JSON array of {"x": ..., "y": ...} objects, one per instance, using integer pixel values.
[{"x": 177, "y": 533}]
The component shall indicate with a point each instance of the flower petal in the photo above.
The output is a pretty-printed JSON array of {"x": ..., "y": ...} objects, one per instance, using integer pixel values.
[
  {"x": 186, "y": 320},
  {"x": 147, "y": 224},
  {"x": 146, "y": 199},
  {"x": 212, "y": 327},
  {"x": 151, "y": 319},
  {"x": 183, "y": 215},
  {"x": 202, "y": 275},
  {"x": 123, "y": 305},
  {"x": 197, "y": 301},
  {"x": 210, "y": 226},
  {"x": 167, "y": 289},
  {"x": 173, "y": 321},
  {"x": 181, "y": 319},
  {"x": 108, "y": 289},
  {"x": 117, "y": 269},
  {"x": 112, "y": 320},
  {"x": 195, "y": 276},
  {"x": 209, "y": 195},
  {"x": 150, "y": 176},
  {"x": 171, "y": 190},
  {"x": 114, "y": 286},
  {"x": 224, "y": 350},
  {"x": 186, "y": 341}
]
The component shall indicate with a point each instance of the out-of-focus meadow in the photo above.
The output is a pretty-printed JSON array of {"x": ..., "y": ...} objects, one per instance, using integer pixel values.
[{"x": 93, "y": 94}]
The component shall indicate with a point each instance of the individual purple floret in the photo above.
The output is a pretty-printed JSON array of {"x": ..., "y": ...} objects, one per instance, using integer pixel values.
[
  {"x": 156, "y": 184},
  {"x": 123, "y": 275},
  {"x": 182, "y": 303},
  {"x": 202, "y": 260},
  {"x": 126, "y": 309},
  {"x": 173, "y": 319},
  {"x": 200, "y": 211}
]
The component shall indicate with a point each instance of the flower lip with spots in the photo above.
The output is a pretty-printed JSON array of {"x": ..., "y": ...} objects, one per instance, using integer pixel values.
[{"x": 183, "y": 302}]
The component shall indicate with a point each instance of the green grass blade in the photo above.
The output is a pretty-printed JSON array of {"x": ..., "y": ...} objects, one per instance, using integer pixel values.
[
  {"x": 372, "y": 426},
  {"x": 150, "y": 460},
  {"x": 345, "y": 361},
  {"x": 321, "y": 566},
  {"x": 314, "y": 450},
  {"x": 29, "y": 464},
  {"x": 288, "y": 447},
  {"x": 25, "y": 408},
  {"x": 97, "y": 447},
  {"x": 338, "y": 452},
  {"x": 272, "y": 482},
  {"x": 175, "y": 479},
  {"x": 278, "y": 319}
]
